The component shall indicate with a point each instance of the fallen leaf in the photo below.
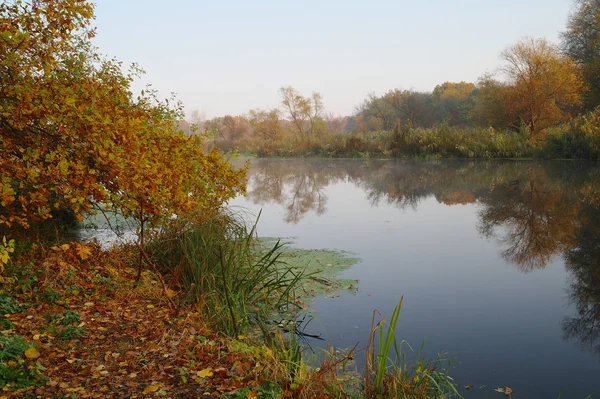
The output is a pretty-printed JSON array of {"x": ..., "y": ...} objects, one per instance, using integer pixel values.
[
  {"x": 83, "y": 251},
  {"x": 151, "y": 389},
  {"x": 32, "y": 353},
  {"x": 207, "y": 372}
]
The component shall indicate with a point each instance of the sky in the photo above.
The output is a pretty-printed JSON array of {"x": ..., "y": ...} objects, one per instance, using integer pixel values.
[{"x": 225, "y": 57}]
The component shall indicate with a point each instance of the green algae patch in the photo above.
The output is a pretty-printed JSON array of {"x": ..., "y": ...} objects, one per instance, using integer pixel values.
[{"x": 320, "y": 269}]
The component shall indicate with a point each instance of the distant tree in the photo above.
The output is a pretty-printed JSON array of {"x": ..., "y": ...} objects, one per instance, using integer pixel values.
[
  {"x": 545, "y": 86},
  {"x": 581, "y": 42},
  {"x": 453, "y": 103},
  {"x": 383, "y": 113},
  {"x": 374, "y": 114},
  {"x": 266, "y": 125},
  {"x": 410, "y": 106},
  {"x": 337, "y": 124},
  {"x": 305, "y": 113},
  {"x": 235, "y": 127},
  {"x": 227, "y": 131},
  {"x": 490, "y": 106}
]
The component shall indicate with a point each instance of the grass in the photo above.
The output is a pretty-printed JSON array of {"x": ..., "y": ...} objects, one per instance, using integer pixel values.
[
  {"x": 220, "y": 266},
  {"x": 388, "y": 375}
]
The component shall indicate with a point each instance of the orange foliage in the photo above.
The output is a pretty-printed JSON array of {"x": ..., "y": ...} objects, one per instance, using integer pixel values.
[{"x": 73, "y": 135}]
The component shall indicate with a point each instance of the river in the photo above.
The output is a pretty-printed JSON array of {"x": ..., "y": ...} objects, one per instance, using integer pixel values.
[{"x": 498, "y": 262}]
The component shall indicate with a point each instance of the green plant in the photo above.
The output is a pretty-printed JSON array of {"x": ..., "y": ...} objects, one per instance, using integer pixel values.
[
  {"x": 70, "y": 332},
  {"x": 6, "y": 324},
  {"x": 222, "y": 266},
  {"x": 9, "y": 305},
  {"x": 12, "y": 346},
  {"x": 13, "y": 369},
  {"x": 69, "y": 317},
  {"x": 377, "y": 364},
  {"x": 268, "y": 390},
  {"x": 21, "y": 375},
  {"x": 51, "y": 296},
  {"x": 391, "y": 377}
]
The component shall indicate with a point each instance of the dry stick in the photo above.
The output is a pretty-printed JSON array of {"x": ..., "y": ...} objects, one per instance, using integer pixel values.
[
  {"x": 233, "y": 321},
  {"x": 162, "y": 282}
]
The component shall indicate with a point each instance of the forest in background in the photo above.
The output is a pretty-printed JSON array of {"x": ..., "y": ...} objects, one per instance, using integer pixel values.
[{"x": 542, "y": 101}]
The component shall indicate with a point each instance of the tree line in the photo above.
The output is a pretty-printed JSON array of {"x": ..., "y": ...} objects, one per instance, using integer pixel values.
[{"x": 539, "y": 85}]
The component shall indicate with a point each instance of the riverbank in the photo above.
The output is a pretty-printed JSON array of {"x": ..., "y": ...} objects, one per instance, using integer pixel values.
[
  {"x": 76, "y": 324},
  {"x": 578, "y": 139}
]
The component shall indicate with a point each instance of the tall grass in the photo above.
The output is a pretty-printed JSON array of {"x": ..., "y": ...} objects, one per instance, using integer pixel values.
[
  {"x": 579, "y": 139},
  {"x": 388, "y": 374},
  {"x": 438, "y": 142},
  {"x": 220, "y": 265}
]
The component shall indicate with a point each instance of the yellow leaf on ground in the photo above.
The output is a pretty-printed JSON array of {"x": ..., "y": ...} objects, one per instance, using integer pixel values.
[
  {"x": 151, "y": 388},
  {"x": 207, "y": 372},
  {"x": 32, "y": 353},
  {"x": 83, "y": 251}
]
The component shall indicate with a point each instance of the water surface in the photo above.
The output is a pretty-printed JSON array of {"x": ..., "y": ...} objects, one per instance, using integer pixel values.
[{"x": 498, "y": 262}]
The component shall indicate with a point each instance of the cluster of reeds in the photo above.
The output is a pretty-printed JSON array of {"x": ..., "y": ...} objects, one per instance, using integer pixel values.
[
  {"x": 388, "y": 373},
  {"x": 220, "y": 265}
]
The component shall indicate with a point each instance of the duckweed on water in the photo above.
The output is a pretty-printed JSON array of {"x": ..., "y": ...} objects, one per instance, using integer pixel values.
[{"x": 322, "y": 265}]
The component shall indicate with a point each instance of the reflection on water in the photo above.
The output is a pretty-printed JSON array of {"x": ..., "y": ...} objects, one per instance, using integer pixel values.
[
  {"x": 583, "y": 261},
  {"x": 535, "y": 213}
]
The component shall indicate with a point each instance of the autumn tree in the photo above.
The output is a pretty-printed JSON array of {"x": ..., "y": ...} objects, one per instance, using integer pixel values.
[
  {"x": 305, "y": 113},
  {"x": 545, "y": 86},
  {"x": 581, "y": 42},
  {"x": 337, "y": 124},
  {"x": 72, "y": 135},
  {"x": 491, "y": 108},
  {"x": 374, "y": 114},
  {"x": 266, "y": 125},
  {"x": 453, "y": 103},
  {"x": 385, "y": 111}
]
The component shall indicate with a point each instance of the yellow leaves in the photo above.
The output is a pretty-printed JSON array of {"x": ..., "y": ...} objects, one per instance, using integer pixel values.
[
  {"x": 93, "y": 152},
  {"x": 32, "y": 353},
  {"x": 6, "y": 248},
  {"x": 202, "y": 375},
  {"x": 207, "y": 372},
  {"x": 83, "y": 251},
  {"x": 151, "y": 389},
  {"x": 64, "y": 247}
]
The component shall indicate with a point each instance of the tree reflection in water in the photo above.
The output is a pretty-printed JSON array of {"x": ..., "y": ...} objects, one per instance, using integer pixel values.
[
  {"x": 537, "y": 211},
  {"x": 583, "y": 261}
]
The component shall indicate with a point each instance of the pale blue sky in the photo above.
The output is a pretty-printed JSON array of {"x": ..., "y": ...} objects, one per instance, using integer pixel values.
[{"x": 227, "y": 57}]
